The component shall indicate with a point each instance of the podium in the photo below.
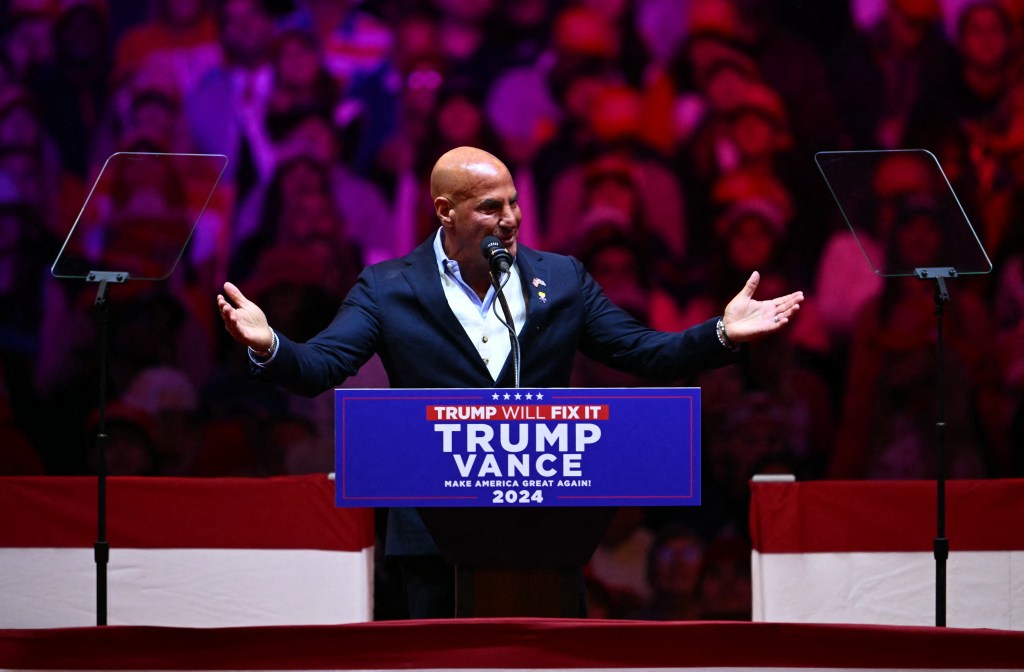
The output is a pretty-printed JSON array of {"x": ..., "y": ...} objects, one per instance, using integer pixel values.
[
  {"x": 517, "y": 487},
  {"x": 517, "y": 562}
]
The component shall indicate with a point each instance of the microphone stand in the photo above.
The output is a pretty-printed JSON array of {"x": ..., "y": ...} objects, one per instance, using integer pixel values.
[{"x": 512, "y": 336}]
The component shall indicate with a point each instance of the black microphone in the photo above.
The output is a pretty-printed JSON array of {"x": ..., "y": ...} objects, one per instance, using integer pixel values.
[
  {"x": 496, "y": 255},
  {"x": 500, "y": 261}
]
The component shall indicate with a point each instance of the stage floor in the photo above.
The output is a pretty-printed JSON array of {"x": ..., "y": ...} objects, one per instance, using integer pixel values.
[{"x": 514, "y": 644}]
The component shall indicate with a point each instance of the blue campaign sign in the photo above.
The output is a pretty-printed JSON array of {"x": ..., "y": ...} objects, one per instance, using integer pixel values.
[{"x": 518, "y": 447}]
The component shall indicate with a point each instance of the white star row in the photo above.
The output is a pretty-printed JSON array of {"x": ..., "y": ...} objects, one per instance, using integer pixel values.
[{"x": 517, "y": 396}]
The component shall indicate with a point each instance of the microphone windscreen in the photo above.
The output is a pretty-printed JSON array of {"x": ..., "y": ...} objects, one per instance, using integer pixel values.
[
  {"x": 490, "y": 246},
  {"x": 496, "y": 255}
]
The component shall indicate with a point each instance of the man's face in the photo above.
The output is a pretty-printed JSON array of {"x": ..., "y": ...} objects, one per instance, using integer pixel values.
[
  {"x": 247, "y": 31},
  {"x": 488, "y": 205},
  {"x": 985, "y": 39}
]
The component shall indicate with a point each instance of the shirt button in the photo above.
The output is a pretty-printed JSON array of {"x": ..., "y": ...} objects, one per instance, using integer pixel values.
[
  {"x": 486, "y": 361},
  {"x": 485, "y": 339}
]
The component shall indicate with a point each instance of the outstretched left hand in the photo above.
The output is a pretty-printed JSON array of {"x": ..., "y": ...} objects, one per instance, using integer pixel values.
[{"x": 746, "y": 319}]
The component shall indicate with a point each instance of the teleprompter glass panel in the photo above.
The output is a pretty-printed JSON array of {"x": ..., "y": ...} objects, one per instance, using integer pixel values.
[
  {"x": 903, "y": 211},
  {"x": 140, "y": 214}
]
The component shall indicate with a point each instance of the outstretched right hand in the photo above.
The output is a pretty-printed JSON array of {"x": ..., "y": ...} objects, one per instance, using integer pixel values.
[{"x": 244, "y": 320}]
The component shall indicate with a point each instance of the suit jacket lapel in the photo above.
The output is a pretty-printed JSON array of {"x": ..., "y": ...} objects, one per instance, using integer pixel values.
[
  {"x": 534, "y": 274},
  {"x": 421, "y": 272}
]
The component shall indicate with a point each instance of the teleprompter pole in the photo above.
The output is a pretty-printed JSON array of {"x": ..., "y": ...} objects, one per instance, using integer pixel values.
[
  {"x": 941, "y": 543},
  {"x": 101, "y": 549}
]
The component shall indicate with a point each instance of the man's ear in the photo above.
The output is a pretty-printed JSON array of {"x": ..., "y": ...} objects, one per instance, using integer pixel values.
[{"x": 443, "y": 209}]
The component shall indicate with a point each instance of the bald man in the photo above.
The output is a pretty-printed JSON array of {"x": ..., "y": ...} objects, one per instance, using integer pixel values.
[{"x": 429, "y": 317}]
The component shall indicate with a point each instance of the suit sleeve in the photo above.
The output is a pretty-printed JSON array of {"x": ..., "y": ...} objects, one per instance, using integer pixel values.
[
  {"x": 337, "y": 352},
  {"x": 615, "y": 338}
]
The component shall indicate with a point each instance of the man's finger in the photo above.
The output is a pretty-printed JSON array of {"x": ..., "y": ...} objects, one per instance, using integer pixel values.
[
  {"x": 234, "y": 294},
  {"x": 751, "y": 286}
]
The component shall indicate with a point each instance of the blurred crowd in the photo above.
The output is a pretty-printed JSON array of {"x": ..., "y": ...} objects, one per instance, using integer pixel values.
[{"x": 669, "y": 144}]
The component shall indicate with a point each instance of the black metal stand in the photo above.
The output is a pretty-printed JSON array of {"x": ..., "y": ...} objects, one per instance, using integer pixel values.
[
  {"x": 941, "y": 544},
  {"x": 513, "y": 337},
  {"x": 101, "y": 549}
]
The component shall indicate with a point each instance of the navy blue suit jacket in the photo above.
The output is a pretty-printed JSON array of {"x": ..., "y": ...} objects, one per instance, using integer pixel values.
[{"x": 399, "y": 311}]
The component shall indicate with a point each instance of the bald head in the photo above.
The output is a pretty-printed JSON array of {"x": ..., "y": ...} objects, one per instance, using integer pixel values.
[
  {"x": 458, "y": 171},
  {"x": 474, "y": 197}
]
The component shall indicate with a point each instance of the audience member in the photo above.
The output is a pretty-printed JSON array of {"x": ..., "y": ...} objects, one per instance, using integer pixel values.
[
  {"x": 967, "y": 96},
  {"x": 27, "y": 39},
  {"x": 364, "y": 213},
  {"x": 384, "y": 110},
  {"x": 575, "y": 81},
  {"x": 354, "y": 40},
  {"x": 971, "y": 117},
  {"x": 1009, "y": 318},
  {"x": 519, "y": 33},
  {"x": 795, "y": 69},
  {"x": 724, "y": 584},
  {"x": 521, "y": 132},
  {"x": 180, "y": 39},
  {"x": 878, "y": 74},
  {"x": 622, "y": 266},
  {"x": 673, "y": 571},
  {"x": 72, "y": 90},
  {"x": 297, "y": 208},
  {"x": 462, "y": 29},
  {"x": 26, "y": 249},
  {"x": 457, "y": 119},
  {"x": 845, "y": 272},
  {"x": 128, "y": 447},
  {"x": 301, "y": 84},
  {"x": 890, "y": 401},
  {"x": 170, "y": 402},
  {"x": 298, "y": 444},
  {"x": 19, "y": 456},
  {"x": 623, "y": 187},
  {"x": 619, "y": 564},
  {"x": 226, "y": 110},
  {"x": 749, "y": 235}
]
